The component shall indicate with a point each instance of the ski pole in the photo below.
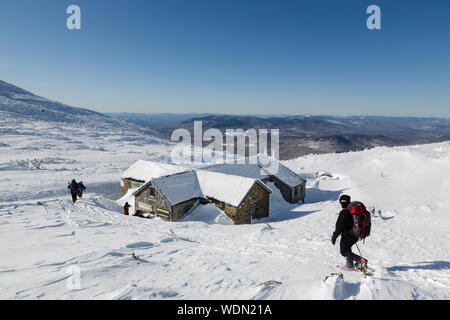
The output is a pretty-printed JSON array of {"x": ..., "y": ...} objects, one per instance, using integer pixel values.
[{"x": 359, "y": 251}]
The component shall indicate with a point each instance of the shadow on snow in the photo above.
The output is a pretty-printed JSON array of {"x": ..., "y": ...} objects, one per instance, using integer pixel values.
[
  {"x": 314, "y": 195},
  {"x": 282, "y": 214},
  {"x": 109, "y": 190},
  {"x": 430, "y": 265},
  {"x": 285, "y": 211}
]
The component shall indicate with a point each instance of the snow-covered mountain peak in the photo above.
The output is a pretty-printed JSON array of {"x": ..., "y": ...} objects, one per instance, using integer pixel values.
[{"x": 19, "y": 105}]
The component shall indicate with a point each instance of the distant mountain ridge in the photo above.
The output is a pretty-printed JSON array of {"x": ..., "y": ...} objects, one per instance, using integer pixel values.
[
  {"x": 18, "y": 100},
  {"x": 146, "y": 119},
  {"x": 301, "y": 135}
]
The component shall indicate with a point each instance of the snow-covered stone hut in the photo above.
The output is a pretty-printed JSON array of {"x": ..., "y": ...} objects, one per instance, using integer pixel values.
[
  {"x": 169, "y": 197},
  {"x": 172, "y": 197},
  {"x": 239, "y": 190}
]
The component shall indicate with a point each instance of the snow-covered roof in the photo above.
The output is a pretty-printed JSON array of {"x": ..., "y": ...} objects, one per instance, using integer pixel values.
[
  {"x": 280, "y": 171},
  {"x": 231, "y": 189},
  {"x": 147, "y": 170},
  {"x": 244, "y": 170},
  {"x": 258, "y": 167},
  {"x": 179, "y": 187}
]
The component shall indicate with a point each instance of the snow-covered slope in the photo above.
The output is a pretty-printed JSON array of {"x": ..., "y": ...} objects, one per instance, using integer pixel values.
[
  {"x": 15, "y": 101},
  {"x": 46, "y": 239}
]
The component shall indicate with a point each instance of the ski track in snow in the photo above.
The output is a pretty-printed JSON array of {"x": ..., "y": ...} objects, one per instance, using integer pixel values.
[{"x": 125, "y": 257}]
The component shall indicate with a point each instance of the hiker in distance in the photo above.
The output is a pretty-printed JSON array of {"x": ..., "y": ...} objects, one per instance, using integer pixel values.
[
  {"x": 351, "y": 229},
  {"x": 73, "y": 186},
  {"x": 81, "y": 189},
  {"x": 126, "y": 209}
]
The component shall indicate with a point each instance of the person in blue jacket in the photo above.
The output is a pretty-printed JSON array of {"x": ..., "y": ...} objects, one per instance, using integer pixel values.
[{"x": 81, "y": 189}]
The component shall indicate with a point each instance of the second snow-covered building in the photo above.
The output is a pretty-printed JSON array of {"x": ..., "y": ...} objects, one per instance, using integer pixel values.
[
  {"x": 142, "y": 171},
  {"x": 292, "y": 187}
]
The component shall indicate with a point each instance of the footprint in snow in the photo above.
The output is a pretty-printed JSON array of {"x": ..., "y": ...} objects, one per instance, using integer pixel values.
[{"x": 168, "y": 294}]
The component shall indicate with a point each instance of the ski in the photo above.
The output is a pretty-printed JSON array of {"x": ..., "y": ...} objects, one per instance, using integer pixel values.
[{"x": 367, "y": 272}]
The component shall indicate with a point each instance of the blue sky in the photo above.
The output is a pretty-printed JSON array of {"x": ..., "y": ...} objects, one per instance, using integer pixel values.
[{"x": 232, "y": 56}]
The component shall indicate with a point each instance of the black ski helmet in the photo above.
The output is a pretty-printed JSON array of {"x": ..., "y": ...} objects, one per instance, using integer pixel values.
[{"x": 344, "y": 200}]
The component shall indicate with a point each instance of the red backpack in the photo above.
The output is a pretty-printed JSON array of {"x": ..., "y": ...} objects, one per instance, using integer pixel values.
[{"x": 361, "y": 219}]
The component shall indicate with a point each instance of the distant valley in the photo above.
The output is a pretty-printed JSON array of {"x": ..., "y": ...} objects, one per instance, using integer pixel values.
[{"x": 301, "y": 135}]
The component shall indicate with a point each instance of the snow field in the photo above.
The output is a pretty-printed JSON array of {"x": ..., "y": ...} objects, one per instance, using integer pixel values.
[{"x": 44, "y": 235}]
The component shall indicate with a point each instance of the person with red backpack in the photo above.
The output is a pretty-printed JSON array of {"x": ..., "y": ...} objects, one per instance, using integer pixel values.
[{"x": 352, "y": 224}]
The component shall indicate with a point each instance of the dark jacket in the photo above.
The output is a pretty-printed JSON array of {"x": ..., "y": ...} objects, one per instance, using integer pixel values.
[
  {"x": 73, "y": 187},
  {"x": 81, "y": 187},
  {"x": 344, "y": 223}
]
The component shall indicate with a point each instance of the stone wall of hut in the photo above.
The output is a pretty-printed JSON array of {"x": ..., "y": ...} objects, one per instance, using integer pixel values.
[
  {"x": 258, "y": 197},
  {"x": 130, "y": 183},
  {"x": 146, "y": 202}
]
